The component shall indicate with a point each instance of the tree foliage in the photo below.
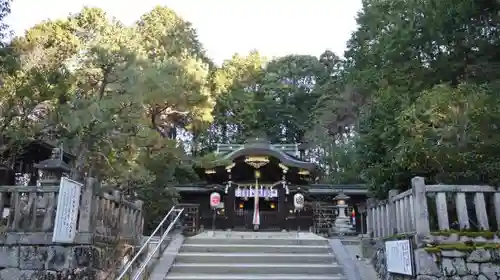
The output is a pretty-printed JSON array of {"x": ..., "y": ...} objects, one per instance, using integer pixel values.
[
  {"x": 416, "y": 93},
  {"x": 431, "y": 76},
  {"x": 115, "y": 95},
  {"x": 4, "y": 28}
]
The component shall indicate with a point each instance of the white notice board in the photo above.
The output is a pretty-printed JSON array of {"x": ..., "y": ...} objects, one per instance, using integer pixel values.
[
  {"x": 68, "y": 204},
  {"x": 399, "y": 257}
]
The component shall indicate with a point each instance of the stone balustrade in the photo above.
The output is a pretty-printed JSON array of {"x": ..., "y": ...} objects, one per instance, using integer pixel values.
[
  {"x": 408, "y": 212},
  {"x": 108, "y": 228},
  {"x": 31, "y": 209},
  {"x": 453, "y": 229}
]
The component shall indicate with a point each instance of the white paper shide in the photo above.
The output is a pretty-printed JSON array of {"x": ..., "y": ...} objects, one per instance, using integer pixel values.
[{"x": 68, "y": 204}]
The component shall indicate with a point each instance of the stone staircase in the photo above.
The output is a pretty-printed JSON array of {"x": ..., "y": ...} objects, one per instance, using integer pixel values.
[{"x": 252, "y": 256}]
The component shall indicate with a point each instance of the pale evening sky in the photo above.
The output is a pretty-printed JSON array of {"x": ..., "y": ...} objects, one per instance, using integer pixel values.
[{"x": 273, "y": 27}]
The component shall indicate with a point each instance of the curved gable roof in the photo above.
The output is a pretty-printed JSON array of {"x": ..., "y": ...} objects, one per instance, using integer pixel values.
[{"x": 266, "y": 149}]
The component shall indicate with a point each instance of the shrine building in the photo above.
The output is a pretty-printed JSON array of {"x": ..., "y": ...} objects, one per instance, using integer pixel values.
[{"x": 257, "y": 182}]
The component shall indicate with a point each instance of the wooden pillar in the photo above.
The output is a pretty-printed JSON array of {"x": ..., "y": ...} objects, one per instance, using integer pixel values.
[
  {"x": 229, "y": 199},
  {"x": 282, "y": 211},
  {"x": 282, "y": 194},
  {"x": 361, "y": 211}
]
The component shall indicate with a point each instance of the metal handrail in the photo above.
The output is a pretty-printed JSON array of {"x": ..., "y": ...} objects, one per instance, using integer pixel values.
[
  {"x": 144, "y": 264},
  {"x": 144, "y": 246}
]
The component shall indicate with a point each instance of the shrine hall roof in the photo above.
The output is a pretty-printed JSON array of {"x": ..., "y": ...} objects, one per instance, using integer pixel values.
[{"x": 288, "y": 154}]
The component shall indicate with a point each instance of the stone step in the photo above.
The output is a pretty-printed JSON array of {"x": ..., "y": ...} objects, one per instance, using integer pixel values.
[
  {"x": 268, "y": 241},
  {"x": 175, "y": 276},
  {"x": 188, "y": 257},
  {"x": 256, "y": 235},
  {"x": 256, "y": 268},
  {"x": 350, "y": 240},
  {"x": 258, "y": 248}
]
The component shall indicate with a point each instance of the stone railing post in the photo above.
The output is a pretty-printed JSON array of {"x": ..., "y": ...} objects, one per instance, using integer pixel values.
[
  {"x": 496, "y": 201},
  {"x": 85, "y": 218},
  {"x": 421, "y": 214},
  {"x": 391, "y": 207},
  {"x": 116, "y": 215},
  {"x": 370, "y": 217},
  {"x": 139, "y": 220}
]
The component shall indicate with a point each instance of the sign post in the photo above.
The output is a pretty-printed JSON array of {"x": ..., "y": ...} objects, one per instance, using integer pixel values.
[
  {"x": 68, "y": 204},
  {"x": 399, "y": 257},
  {"x": 214, "y": 203}
]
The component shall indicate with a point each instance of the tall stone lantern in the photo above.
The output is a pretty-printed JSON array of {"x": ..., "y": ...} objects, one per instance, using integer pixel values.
[
  {"x": 341, "y": 204},
  {"x": 51, "y": 170},
  {"x": 342, "y": 223}
]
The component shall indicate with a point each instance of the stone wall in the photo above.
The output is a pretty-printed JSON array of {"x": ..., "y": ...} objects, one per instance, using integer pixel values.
[
  {"x": 453, "y": 264},
  {"x": 43, "y": 262}
]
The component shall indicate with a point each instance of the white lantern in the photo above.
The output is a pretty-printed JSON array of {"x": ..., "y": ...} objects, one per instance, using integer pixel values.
[
  {"x": 214, "y": 200},
  {"x": 298, "y": 201}
]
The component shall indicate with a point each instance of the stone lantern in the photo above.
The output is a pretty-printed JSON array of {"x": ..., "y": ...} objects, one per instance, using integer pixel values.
[
  {"x": 52, "y": 169},
  {"x": 341, "y": 204},
  {"x": 342, "y": 221}
]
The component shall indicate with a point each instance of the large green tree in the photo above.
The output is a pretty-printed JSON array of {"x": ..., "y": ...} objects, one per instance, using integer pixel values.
[
  {"x": 415, "y": 94},
  {"x": 289, "y": 90},
  {"x": 237, "y": 85},
  {"x": 404, "y": 57},
  {"x": 260, "y": 97},
  {"x": 115, "y": 95}
]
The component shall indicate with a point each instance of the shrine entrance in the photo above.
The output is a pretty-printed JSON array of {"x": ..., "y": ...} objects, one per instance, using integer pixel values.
[
  {"x": 268, "y": 209},
  {"x": 257, "y": 181}
]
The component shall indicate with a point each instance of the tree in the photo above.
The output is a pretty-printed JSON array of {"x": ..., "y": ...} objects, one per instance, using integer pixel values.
[
  {"x": 289, "y": 89},
  {"x": 402, "y": 54},
  {"x": 236, "y": 86},
  {"x": 416, "y": 94},
  {"x": 4, "y": 12},
  {"x": 333, "y": 121},
  {"x": 169, "y": 40},
  {"x": 114, "y": 98},
  {"x": 256, "y": 98},
  {"x": 32, "y": 83}
]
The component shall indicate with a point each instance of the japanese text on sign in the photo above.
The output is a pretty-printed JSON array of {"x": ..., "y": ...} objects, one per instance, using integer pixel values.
[
  {"x": 68, "y": 204},
  {"x": 399, "y": 257}
]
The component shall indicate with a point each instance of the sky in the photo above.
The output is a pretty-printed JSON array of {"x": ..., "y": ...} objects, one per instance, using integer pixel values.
[{"x": 225, "y": 27}]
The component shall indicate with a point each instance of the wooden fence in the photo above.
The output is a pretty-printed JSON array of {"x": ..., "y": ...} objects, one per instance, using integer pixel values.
[
  {"x": 104, "y": 213},
  {"x": 408, "y": 212}
]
